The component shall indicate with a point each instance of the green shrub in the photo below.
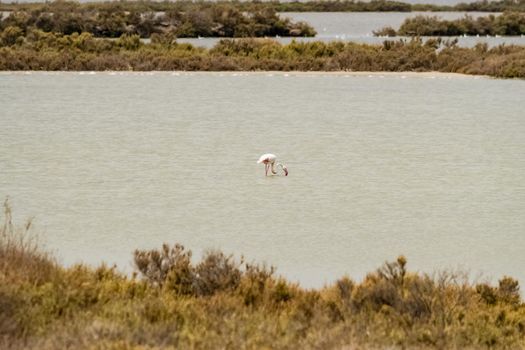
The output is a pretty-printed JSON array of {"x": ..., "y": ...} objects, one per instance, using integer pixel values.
[
  {"x": 508, "y": 23},
  {"x": 129, "y": 42},
  {"x": 11, "y": 36}
]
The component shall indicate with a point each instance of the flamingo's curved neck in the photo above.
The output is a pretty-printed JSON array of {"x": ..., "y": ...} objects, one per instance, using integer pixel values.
[{"x": 284, "y": 168}]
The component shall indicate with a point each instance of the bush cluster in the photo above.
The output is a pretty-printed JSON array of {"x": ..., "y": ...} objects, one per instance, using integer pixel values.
[
  {"x": 111, "y": 20},
  {"x": 38, "y": 50},
  {"x": 219, "y": 302},
  {"x": 171, "y": 268},
  {"x": 509, "y": 23},
  {"x": 492, "y": 6}
]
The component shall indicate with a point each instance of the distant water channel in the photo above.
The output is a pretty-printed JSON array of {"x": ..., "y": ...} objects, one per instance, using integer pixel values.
[
  {"x": 430, "y": 166},
  {"x": 359, "y": 27}
]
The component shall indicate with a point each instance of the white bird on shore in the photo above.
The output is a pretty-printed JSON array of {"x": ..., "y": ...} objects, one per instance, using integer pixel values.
[{"x": 269, "y": 163}]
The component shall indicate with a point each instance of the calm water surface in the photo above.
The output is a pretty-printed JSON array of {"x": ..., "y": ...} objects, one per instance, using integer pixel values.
[{"x": 427, "y": 166}]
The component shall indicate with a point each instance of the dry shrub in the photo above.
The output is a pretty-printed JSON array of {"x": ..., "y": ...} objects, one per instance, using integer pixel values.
[
  {"x": 507, "y": 292},
  {"x": 172, "y": 268},
  {"x": 156, "y": 265},
  {"x": 215, "y": 273},
  {"x": 254, "y": 283},
  {"x": 20, "y": 256}
]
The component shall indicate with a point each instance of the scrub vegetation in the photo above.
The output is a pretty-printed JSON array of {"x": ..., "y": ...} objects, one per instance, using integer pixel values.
[
  {"x": 173, "y": 302},
  {"x": 111, "y": 20},
  {"x": 285, "y": 6},
  {"x": 509, "y": 23},
  {"x": 38, "y": 50}
]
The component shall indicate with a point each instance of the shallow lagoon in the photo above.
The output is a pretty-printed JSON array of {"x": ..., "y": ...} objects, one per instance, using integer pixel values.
[{"x": 426, "y": 165}]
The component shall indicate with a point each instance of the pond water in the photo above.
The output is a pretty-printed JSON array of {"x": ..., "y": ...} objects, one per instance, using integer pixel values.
[{"x": 427, "y": 165}]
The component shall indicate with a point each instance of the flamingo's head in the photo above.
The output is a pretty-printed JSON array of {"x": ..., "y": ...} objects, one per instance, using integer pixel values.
[{"x": 285, "y": 171}]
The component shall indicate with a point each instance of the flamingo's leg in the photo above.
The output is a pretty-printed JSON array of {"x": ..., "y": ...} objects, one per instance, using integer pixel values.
[{"x": 265, "y": 169}]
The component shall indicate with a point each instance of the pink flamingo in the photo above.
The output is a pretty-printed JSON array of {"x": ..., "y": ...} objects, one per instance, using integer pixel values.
[{"x": 269, "y": 163}]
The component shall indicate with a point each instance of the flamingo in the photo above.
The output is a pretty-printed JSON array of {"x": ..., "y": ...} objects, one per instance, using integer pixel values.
[{"x": 269, "y": 163}]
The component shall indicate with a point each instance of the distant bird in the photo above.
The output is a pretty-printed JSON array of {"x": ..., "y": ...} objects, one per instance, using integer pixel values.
[{"x": 269, "y": 163}]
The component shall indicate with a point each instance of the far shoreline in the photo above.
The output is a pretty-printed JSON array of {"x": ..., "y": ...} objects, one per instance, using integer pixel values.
[{"x": 411, "y": 74}]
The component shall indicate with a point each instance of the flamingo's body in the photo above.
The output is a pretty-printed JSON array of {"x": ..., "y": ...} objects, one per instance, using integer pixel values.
[{"x": 269, "y": 163}]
